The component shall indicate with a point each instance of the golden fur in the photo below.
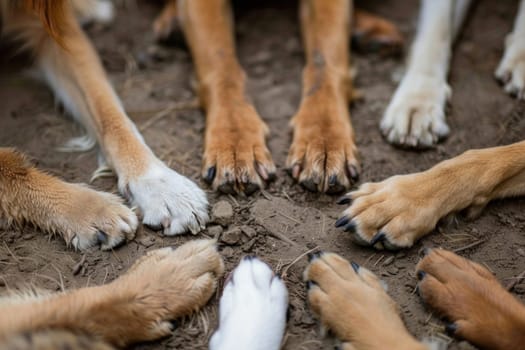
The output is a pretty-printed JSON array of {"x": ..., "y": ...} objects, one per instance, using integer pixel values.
[
  {"x": 323, "y": 155},
  {"x": 138, "y": 306}
]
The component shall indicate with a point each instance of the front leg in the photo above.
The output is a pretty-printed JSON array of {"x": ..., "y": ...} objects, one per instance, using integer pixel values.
[
  {"x": 235, "y": 155},
  {"x": 398, "y": 211},
  {"x": 166, "y": 199},
  {"x": 323, "y": 155},
  {"x": 162, "y": 286},
  {"x": 415, "y": 116},
  {"x": 82, "y": 216}
]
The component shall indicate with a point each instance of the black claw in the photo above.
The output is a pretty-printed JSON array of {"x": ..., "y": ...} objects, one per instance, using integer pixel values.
[
  {"x": 421, "y": 274},
  {"x": 314, "y": 255},
  {"x": 342, "y": 221},
  {"x": 451, "y": 328},
  {"x": 355, "y": 266},
  {"x": 310, "y": 284},
  {"x": 353, "y": 172},
  {"x": 271, "y": 177},
  {"x": 310, "y": 185},
  {"x": 249, "y": 257},
  {"x": 344, "y": 200},
  {"x": 250, "y": 188},
  {"x": 227, "y": 188},
  {"x": 210, "y": 174},
  {"x": 377, "y": 238},
  {"x": 102, "y": 237},
  {"x": 154, "y": 227},
  {"x": 174, "y": 324},
  {"x": 351, "y": 227}
]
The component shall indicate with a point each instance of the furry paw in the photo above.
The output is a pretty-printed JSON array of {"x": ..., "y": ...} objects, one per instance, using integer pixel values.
[
  {"x": 478, "y": 308},
  {"x": 353, "y": 303},
  {"x": 162, "y": 286},
  {"x": 416, "y": 115},
  {"x": 511, "y": 70},
  {"x": 252, "y": 309},
  {"x": 168, "y": 200}
]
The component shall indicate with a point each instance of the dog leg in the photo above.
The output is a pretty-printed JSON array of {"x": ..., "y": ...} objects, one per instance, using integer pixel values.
[
  {"x": 163, "y": 285},
  {"x": 252, "y": 309},
  {"x": 235, "y": 155},
  {"x": 323, "y": 155},
  {"x": 372, "y": 33},
  {"x": 415, "y": 116},
  {"x": 511, "y": 70},
  {"x": 471, "y": 298},
  {"x": 399, "y": 210},
  {"x": 167, "y": 21},
  {"x": 82, "y": 216},
  {"x": 352, "y": 302},
  {"x": 165, "y": 199},
  {"x": 53, "y": 340}
]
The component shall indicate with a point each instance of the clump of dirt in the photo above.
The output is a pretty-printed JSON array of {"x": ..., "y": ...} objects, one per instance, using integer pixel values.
[{"x": 284, "y": 222}]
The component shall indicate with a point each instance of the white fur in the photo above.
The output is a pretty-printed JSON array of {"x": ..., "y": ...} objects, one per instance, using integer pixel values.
[
  {"x": 252, "y": 309},
  {"x": 416, "y": 113},
  {"x": 167, "y": 198},
  {"x": 101, "y": 11},
  {"x": 511, "y": 69}
]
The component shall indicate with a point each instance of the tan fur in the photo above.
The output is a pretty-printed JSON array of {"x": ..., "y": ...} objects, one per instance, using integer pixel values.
[
  {"x": 469, "y": 296},
  {"x": 355, "y": 306},
  {"x": 405, "y": 208},
  {"x": 163, "y": 285},
  {"x": 77, "y": 213},
  {"x": 236, "y": 158}
]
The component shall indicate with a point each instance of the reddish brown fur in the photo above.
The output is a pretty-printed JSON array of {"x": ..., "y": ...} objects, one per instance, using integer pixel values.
[{"x": 52, "y": 13}]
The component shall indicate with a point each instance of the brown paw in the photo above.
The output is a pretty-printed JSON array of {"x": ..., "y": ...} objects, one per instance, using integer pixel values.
[
  {"x": 87, "y": 218},
  {"x": 371, "y": 33},
  {"x": 164, "y": 285},
  {"x": 478, "y": 308},
  {"x": 323, "y": 155},
  {"x": 236, "y": 159},
  {"x": 352, "y": 302}
]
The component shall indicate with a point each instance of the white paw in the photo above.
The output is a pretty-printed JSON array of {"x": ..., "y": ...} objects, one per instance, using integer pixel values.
[
  {"x": 416, "y": 115},
  {"x": 511, "y": 70},
  {"x": 168, "y": 200},
  {"x": 252, "y": 309},
  {"x": 100, "y": 11}
]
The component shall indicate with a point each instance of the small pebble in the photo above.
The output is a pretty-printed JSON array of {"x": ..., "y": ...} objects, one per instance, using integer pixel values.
[
  {"x": 248, "y": 231},
  {"x": 215, "y": 231},
  {"x": 222, "y": 213},
  {"x": 232, "y": 236}
]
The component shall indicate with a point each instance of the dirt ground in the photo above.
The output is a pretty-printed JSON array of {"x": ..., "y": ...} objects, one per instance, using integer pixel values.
[{"x": 150, "y": 78}]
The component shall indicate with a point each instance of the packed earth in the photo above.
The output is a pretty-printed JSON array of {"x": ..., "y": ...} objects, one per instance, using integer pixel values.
[{"x": 283, "y": 222}]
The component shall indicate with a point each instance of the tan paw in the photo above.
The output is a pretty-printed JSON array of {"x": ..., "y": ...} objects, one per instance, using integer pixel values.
[
  {"x": 352, "y": 302},
  {"x": 86, "y": 218},
  {"x": 371, "y": 33},
  {"x": 236, "y": 159},
  {"x": 323, "y": 155},
  {"x": 162, "y": 286},
  {"x": 478, "y": 308},
  {"x": 393, "y": 213}
]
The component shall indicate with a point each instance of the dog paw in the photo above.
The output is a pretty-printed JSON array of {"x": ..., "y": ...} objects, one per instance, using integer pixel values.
[
  {"x": 252, "y": 309},
  {"x": 90, "y": 218},
  {"x": 167, "y": 200},
  {"x": 162, "y": 286},
  {"x": 352, "y": 302},
  {"x": 475, "y": 304},
  {"x": 391, "y": 214},
  {"x": 100, "y": 11},
  {"x": 511, "y": 70},
  {"x": 415, "y": 117},
  {"x": 323, "y": 155},
  {"x": 236, "y": 159},
  {"x": 371, "y": 33}
]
